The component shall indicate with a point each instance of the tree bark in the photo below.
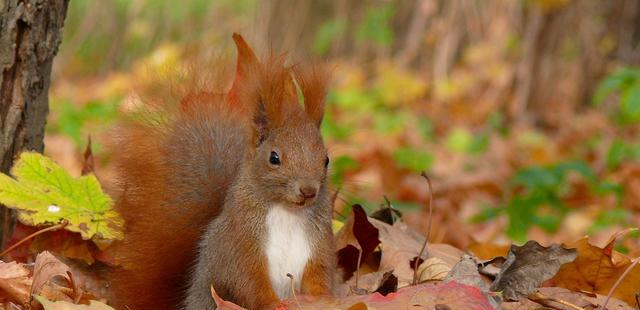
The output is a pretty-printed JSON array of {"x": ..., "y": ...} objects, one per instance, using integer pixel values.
[{"x": 30, "y": 33}]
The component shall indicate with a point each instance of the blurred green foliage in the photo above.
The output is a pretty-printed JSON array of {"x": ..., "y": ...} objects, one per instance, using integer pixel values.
[
  {"x": 621, "y": 151},
  {"x": 326, "y": 35},
  {"x": 77, "y": 121},
  {"x": 413, "y": 159},
  {"x": 339, "y": 166},
  {"x": 461, "y": 140},
  {"x": 626, "y": 83},
  {"x": 376, "y": 26},
  {"x": 538, "y": 197}
]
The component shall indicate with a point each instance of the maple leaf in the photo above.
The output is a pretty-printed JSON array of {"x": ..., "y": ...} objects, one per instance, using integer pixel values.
[
  {"x": 44, "y": 193},
  {"x": 597, "y": 269}
]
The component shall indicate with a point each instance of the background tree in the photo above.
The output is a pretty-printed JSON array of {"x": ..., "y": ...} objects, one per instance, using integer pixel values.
[{"x": 30, "y": 33}]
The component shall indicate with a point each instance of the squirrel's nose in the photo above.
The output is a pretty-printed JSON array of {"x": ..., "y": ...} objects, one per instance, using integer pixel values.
[{"x": 308, "y": 192}]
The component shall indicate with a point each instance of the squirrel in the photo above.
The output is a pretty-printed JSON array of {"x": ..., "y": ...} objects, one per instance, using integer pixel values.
[{"x": 226, "y": 190}]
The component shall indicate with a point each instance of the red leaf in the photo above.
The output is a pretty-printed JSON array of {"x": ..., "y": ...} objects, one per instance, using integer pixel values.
[{"x": 367, "y": 237}]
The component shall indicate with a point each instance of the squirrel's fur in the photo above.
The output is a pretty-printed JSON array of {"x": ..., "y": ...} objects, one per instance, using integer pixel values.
[{"x": 204, "y": 161}]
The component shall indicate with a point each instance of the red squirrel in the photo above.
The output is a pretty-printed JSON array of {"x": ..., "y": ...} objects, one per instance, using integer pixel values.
[{"x": 226, "y": 190}]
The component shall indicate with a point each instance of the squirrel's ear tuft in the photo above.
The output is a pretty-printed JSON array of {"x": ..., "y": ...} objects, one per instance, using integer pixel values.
[
  {"x": 246, "y": 66},
  {"x": 313, "y": 81}
]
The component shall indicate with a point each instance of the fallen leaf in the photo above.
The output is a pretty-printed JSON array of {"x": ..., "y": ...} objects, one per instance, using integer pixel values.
[
  {"x": 596, "y": 269},
  {"x": 63, "y": 305},
  {"x": 432, "y": 269},
  {"x": 423, "y": 296},
  {"x": 528, "y": 266},
  {"x": 63, "y": 243},
  {"x": 389, "y": 284},
  {"x": 14, "y": 283},
  {"x": 387, "y": 214},
  {"x": 575, "y": 298},
  {"x": 488, "y": 250},
  {"x": 46, "y": 268},
  {"x": 358, "y": 234},
  {"x": 358, "y": 306},
  {"x": 44, "y": 193},
  {"x": 368, "y": 282},
  {"x": 20, "y": 253},
  {"x": 466, "y": 272},
  {"x": 400, "y": 245}
]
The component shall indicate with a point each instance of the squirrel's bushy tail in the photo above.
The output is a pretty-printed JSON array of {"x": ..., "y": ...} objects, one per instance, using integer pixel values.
[{"x": 174, "y": 163}]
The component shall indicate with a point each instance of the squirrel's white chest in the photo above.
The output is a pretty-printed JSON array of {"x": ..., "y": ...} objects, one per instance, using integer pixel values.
[{"x": 287, "y": 248}]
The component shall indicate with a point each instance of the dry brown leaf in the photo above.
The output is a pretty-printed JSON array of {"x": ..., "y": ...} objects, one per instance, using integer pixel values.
[
  {"x": 423, "y": 296},
  {"x": 358, "y": 306},
  {"x": 575, "y": 298},
  {"x": 64, "y": 244},
  {"x": 14, "y": 283},
  {"x": 367, "y": 282},
  {"x": 433, "y": 269},
  {"x": 400, "y": 245},
  {"x": 528, "y": 266},
  {"x": 63, "y": 305},
  {"x": 466, "y": 272},
  {"x": 46, "y": 268},
  {"x": 388, "y": 285},
  {"x": 488, "y": 250},
  {"x": 596, "y": 269},
  {"x": 54, "y": 292}
]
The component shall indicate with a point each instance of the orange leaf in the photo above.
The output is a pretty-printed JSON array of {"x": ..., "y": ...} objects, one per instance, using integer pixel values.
[{"x": 596, "y": 270}]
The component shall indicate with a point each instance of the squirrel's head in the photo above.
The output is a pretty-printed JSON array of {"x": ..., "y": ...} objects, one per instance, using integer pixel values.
[{"x": 287, "y": 160}]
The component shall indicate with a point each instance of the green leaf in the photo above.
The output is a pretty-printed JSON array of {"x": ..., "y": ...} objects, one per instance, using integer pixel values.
[
  {"x": 610, "y": 217},
  {"x": 44, "y": 193},
  {"x": 341, "y": 165},
  {"x": 414, "y": 160},
  {"x": 617, "y": 154},
  {"x": 616, "y": 81},
  {"x": 608, "y": 86},
  {"x": 630, "y": 104},
  {"x": 459, "y": 140},
  {"x": 63, "y": 305},
  {"x": 376, "y": 25},
  {"x": 388, "y": 122},
  {"x": 326, "y": 34}
]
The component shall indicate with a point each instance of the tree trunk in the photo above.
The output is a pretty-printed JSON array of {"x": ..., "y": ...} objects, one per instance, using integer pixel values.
[{"x": 30, "y": 33}]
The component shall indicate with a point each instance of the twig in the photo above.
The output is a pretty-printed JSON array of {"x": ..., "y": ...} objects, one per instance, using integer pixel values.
[
  {"x": 333, "y": 202},
  {"x": 334, "y": 197},
  {"x": 63, "y": 224},
  {"x": 293, "y": 291},
  {"x": 544, "y": 300},
  {"x": 615, "y": 285},
  {"x": 388, "y": 202},
  {"x": 424, "y": 245}
]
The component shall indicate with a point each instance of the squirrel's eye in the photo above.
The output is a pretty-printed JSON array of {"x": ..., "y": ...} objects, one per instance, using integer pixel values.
[
  {"x": 326, "y": 162},
  {"x": 274, "y": 159}
]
